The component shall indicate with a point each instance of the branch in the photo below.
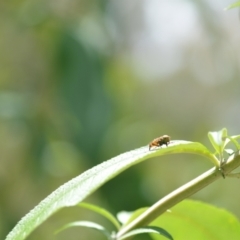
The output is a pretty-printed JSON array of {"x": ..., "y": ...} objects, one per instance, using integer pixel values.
[{"x": 181, "y": 193}]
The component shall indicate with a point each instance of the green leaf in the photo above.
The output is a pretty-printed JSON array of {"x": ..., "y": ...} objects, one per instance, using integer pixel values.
[
  {"x": 233, "y": 5},
  {"x": 233, "y": 139},
  {"x": 77, "y": 189},
  {"x": 150, "y": 229},
  {"x": 87, "y": 224},
  {"x": 197, "y": 220},
  {"x": 218, "y": 139},
  {"x": 236, "y": 137},
  {"x": 102, "y": 212},
  {"x": 191, "y": 147}
]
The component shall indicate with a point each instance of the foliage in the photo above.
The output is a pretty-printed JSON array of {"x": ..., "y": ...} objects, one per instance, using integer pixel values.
[{"x": 77, "y": 189}]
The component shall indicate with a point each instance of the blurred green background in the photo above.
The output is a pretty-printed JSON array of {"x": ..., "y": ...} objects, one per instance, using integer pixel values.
[{"x": 83, "y": 81}]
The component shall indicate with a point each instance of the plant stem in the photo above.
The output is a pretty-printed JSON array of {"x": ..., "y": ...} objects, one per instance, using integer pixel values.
[{"x": 180, "y": 194}]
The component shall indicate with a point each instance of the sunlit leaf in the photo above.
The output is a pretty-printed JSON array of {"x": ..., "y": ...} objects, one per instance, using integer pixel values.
[
  {"x": 150, "y": 229},
  {"x": 218, "y": 139},
  {"x": 197, "y": 220},
  {"x": 190, "y": 147},
  {"x": 124, "y": 216},
  {"x": 102, "y": 212},
  {"x": 233, "y": 139},
  {"x": 86, "y": 224},
  {"x": 77, "y": 189}
]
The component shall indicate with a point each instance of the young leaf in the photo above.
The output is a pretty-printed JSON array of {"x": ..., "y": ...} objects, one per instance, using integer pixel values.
[
  {"x": 102, "y": 212},
  {"x": 150, "y": 229},
  {"x": 233, "y": 140},
  {"x": 218, "y": 139},
  {"x": 77, "y": 189},
  {"x": 87, "y": 224}
]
